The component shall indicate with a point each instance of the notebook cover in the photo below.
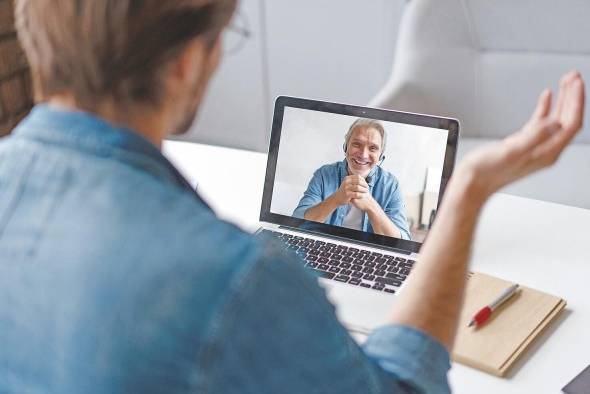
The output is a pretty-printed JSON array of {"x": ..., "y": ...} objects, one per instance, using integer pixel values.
[{"x": 497, "y": 344}]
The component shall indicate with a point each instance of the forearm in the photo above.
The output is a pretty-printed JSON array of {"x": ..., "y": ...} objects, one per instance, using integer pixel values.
[
  {"x": 432, "y": 298},
  {"x": 321, "y": 211},
  {"x": 382, "y": 224}
]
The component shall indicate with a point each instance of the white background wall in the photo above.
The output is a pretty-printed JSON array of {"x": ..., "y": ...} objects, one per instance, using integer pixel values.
[
  {"x": 338, "y": 50},
  {"x": 310, "y": 139}
]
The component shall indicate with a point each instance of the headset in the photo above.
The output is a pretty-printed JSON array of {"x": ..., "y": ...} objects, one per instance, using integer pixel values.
[{"x": 367, "y": 123}]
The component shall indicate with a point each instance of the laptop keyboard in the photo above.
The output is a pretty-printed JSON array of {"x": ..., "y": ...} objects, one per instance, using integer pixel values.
[{"x": 355, "y": 266}]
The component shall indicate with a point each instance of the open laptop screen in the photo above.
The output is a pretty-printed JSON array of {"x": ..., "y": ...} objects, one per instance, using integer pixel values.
[{"x": 367, "y": 174}]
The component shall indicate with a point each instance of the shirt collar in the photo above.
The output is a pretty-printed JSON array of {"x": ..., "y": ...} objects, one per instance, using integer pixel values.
[
  {"x": 85, "y": 131},
  {"x": 343, "y": 168}
]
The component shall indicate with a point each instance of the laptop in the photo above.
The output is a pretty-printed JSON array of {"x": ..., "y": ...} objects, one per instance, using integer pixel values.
[{"x": 363, "y": 248}]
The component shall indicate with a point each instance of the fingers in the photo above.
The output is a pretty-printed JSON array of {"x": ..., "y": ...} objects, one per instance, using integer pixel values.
[
  {"x": 357, "y": 193},
  {"x": 573, "y": 111},
  {"x": 572, "y": 118},
  {"x": 543, "y": 105},
  {"x": 565, "y": 90},
  {"x": 356, "y": 180}
]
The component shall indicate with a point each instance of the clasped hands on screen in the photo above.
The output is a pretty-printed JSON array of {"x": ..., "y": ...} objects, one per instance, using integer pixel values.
[{"x": 355, "y": 190}]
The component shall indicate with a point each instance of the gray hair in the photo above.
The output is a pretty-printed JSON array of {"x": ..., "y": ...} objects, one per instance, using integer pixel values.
[{"x": 368, "y": 124}]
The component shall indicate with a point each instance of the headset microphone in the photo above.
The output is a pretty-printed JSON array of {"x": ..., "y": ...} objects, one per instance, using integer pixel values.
[{"x": 368, "y": 179}]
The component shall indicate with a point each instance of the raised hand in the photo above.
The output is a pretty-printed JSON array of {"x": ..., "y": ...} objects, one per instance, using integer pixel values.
[{"x": 537, "y": 145}]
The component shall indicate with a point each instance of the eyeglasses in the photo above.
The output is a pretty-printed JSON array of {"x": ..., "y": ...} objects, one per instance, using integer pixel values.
[{"x": 236, "y": 34}]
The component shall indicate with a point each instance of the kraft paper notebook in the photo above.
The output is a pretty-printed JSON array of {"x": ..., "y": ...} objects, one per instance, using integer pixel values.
[{"x": 496, "y": 345}]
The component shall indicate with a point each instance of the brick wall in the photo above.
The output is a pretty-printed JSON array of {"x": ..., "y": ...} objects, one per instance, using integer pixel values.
[{"x": 16, "y": 98}]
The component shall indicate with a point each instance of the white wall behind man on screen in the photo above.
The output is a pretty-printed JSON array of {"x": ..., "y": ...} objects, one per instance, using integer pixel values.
[{"x": 310, "y": 139}]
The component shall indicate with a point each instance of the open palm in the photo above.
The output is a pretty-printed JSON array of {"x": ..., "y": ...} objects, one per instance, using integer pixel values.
[{"x": 537, "y": 145}]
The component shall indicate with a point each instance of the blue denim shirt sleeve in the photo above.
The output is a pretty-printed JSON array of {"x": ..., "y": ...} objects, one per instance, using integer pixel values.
[
  {"x": 279, "y": 334},
  {"x": 312, "y": 195},
  {"x": 395, "y": 211}
]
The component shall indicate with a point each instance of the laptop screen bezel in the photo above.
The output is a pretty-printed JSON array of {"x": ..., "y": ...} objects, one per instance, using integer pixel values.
[{"x": 448, "y": 124}]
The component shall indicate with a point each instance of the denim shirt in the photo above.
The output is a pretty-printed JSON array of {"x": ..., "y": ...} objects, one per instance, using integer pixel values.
[
  {"x": 116, "y": 277},
  {"x": 383, "y": 186}
]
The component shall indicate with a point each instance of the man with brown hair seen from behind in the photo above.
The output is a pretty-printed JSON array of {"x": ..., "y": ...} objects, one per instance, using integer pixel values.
[{"x": 116, "y": 277}]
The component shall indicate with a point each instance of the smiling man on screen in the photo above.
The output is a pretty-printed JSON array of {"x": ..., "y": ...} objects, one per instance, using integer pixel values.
[{"x": 356, "y": 192}]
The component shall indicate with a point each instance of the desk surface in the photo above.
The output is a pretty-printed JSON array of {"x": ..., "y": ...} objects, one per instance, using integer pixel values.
[{"x": 535, "y": 243}]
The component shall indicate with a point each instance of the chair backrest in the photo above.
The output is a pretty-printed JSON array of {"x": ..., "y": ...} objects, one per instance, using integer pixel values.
[{"x": 485, "y": 61}]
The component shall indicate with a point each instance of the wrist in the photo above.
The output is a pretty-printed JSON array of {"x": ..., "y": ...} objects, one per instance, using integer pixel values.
[
  {"x": 467, "y": 186},
  {"x": 333, "y": 201},
  {"x": 373, "y": 208}
]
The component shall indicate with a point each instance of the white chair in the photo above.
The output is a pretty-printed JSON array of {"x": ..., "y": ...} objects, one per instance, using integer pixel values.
[{"x": 485, "y": 62}]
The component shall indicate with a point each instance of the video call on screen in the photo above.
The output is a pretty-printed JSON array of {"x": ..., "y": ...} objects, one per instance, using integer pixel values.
[{"x": 365, "y": 174}]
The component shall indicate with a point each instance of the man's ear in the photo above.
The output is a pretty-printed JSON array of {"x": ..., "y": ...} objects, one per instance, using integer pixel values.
[{"x": 190, "y": 62}]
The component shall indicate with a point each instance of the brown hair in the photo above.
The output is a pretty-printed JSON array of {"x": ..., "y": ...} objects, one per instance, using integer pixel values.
[{"x": 98, "y": 49}]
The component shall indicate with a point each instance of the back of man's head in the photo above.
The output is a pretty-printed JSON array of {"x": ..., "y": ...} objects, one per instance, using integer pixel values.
[{"x": 111, "y": 49}]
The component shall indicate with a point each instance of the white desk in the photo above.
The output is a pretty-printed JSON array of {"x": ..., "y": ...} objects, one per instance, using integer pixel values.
[{"x": 538, "y": 244}]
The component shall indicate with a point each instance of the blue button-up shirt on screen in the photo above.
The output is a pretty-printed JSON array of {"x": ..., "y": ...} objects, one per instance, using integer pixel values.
[
  {"x": 383, "y": 186},
  {"x": 116, "y": 277}
]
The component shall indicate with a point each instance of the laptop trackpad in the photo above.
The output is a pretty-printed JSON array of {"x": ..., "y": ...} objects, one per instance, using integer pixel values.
[{"x": 359, "y": 309}]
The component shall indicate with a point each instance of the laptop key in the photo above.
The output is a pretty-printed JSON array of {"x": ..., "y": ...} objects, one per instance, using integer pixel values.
[
  {"x": 311, "y": 258},
  {"x": 342, "y": 278},
  {"x": 323, "y": 260},
  {"x": 368, "y": 270},
  {"x": 369, "y": 264},
  {"x": 334, "y": 269},
  {"x": 392, "y": 269},
  {"x": 312, "y": 265},
  {"x": 396, "y": 276},
  {"x": 380, "y": 272},
  {"x": 365, "y": 285},
  {"x": 356, "y": 267},
  {"x": 404, "y": 271},
  {"x": 323, "y": 274},
  {"x": 346, "y": 272},
  {"x": 345, "y": 265},
  {"x": 369, "y": 277},
  {"x": 388, "y": 290},
  {"x": 354, "y": 281},
  {"x": 324, "y": 267},
  {"x": 388, "y": 281},
  {"x": 356, "y": 274},
  {"x": 400, "y": 259},
  {"x": 378, "y": 286}
]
